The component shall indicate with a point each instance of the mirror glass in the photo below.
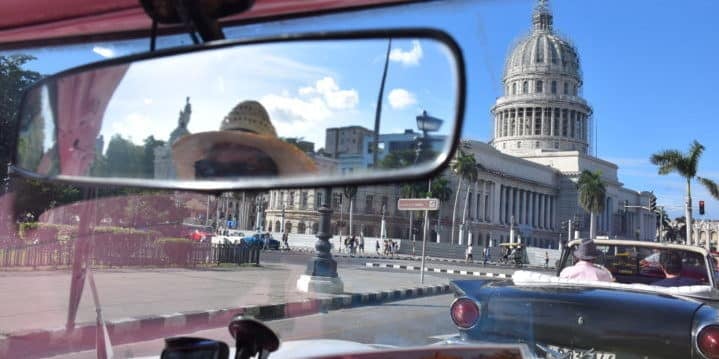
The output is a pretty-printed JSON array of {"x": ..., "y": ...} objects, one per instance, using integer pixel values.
[{"x": 262, "y": 111}]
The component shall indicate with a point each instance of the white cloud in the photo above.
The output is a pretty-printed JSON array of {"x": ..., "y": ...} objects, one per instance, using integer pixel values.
[
  {"x": 147, "y": 101},
  {"x": 104, "y": 51},
  {"x": 400, "y": 98},
  {"x": 312, "y": 108},
  {"x": 408, "y": 58}
]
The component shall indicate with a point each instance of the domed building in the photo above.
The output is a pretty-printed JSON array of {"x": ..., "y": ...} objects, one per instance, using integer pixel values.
[{"x": 542, "y": 107}]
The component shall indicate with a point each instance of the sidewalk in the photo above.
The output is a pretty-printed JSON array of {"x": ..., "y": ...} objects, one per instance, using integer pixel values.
[{"x": 159, "y": 302}]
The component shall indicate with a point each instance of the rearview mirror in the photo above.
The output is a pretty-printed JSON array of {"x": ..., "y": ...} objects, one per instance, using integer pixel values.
[{"x": 244, "y": 115}]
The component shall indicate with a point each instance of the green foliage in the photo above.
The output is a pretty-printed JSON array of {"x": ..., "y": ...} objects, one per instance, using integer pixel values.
[
  {"x": 465, "y": 166},
  {"x": 35, "y": 197},
  {"x": 440, "y": 189},
  {"x": 592, "y": 192},
  {"x": 14, "y": 78}
]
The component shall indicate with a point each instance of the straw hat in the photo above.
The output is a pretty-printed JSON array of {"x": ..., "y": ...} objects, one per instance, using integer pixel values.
[{"x": 247, "y": 128}]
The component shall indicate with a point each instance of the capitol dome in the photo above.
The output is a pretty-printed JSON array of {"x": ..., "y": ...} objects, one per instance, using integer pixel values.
[
  {"x": 542, "y": 108},
  {"x": 543, "y": 50}
]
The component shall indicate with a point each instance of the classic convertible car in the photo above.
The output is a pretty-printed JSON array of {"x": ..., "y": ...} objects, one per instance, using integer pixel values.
[{"x": 571, "y": 318}]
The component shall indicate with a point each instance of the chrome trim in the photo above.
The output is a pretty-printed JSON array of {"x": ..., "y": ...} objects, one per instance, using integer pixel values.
[{"x": 479, "y": 310}]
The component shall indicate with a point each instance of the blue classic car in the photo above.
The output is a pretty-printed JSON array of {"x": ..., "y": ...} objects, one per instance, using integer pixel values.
[
  {"x": 572, "y": 318},
  {"x": 264, "y": 240}
]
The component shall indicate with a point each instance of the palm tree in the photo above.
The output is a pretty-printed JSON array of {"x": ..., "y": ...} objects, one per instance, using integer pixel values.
[
  {"x": 471, "y": 177},
  {"x": 592, "y": 196},
  {"x": 685, "y": 165},
  {"x": 440, "y": 189},
  {"x": 462, "y": 166}
]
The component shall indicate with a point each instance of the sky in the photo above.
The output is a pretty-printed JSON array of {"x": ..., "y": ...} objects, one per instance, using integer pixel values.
[{"x": 649, "y": 75}]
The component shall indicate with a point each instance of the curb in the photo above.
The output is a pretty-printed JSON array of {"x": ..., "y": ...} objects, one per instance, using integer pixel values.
[
  {"x": 438, "y": 270},
  {"x": 45, "y": 342}
]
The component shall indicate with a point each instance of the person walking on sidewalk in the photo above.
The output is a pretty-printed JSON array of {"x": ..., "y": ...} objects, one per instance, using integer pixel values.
[
  {"x": 546, "y": 259},
  {"x": 468, "y": 254},
  {"x": 361, "y": 243},
  {"x": 285, "y": 240},
  {"x": 376, "y": 247},
  {"x": 485, "y": 255}
]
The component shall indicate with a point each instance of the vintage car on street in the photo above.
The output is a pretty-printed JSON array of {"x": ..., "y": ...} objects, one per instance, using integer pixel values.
[{"x": 572, "y": 318}]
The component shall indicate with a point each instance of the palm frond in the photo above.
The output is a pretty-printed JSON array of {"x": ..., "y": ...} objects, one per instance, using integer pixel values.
[
  {"x": 710, "y": 185},
  {"x": 695, "y": 152}
]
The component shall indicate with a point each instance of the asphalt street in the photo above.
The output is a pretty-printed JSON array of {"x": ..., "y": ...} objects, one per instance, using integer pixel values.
[{"x": 403, "y": 323}]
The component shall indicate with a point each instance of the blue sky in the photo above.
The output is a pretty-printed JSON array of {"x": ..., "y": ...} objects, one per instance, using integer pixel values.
[{"x": 649, "y": 74}]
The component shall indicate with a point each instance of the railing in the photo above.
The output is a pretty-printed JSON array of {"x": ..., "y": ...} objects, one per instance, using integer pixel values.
[{"x": 128, "y": 254}]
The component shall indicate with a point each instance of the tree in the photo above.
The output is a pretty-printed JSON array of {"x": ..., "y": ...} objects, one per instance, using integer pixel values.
[
  {"x": 685, "y": 165},
  {"x": 350, "y": 192},
  {"x": 13, "y": 80},
  {"x": 592, "y": 196},
  {"x": 441, "y": 190},
  {"x": 463, "y": 166},
  {"x": 123, "y": 158},
  {"x": 148, "y": 159}
]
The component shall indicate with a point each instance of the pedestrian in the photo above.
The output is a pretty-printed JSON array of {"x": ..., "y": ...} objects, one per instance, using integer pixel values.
[
  {"x": 468, "y": 253},
  {"x": 485, "y": 255},
  {"x": 285, "y": 240},
  {"x": 546, "y": 259},
  {"x": 353, "y": 246},
  {"x": 347, "y": 244},
  {"x": 361, "y": 243},
  {"x": 376, "y": 246}
]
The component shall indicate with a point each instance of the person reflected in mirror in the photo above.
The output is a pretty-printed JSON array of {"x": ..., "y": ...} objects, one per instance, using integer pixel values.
[
  {"x": 585, "y": 268},
  {"x": 245, "y": 146},
  {"x": 671, "y": 264}
]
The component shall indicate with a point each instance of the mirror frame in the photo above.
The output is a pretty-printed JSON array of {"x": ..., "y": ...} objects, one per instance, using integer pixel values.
[{"x": 311, "y": 181}]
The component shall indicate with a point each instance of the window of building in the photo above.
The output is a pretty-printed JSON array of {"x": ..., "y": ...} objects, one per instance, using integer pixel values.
[
  {"x": 539, "y": 87},
  {"x": 556, "y": 145},
  {"x": 536, "y": 144},
  {"x": 566, "y": 88},
  {"x": 554, "y": 87},
  {"x": 537, "y": 122},
  {"x": 519, "y": 144},
  {"x": 336, "y": 200},
  {"x": 368, "y": 203},
  {"x": 564, "y": 127},
  {"x": 514, "y": 88},
  {"x": 291, "y": 199},
  {"x": 318, "y": 199},
  {"x": 504, "y": 145},
  {"x": 385, "y": 204},
  {"x": 301, "y": 228},
  {"x": 288, "y": 227},
  {"x": 525, "y": 87},
  {"x": 303, "y": 200}
]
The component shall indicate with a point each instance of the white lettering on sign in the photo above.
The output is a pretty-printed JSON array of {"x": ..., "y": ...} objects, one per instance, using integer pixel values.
[{"x": 418, "y": 204}]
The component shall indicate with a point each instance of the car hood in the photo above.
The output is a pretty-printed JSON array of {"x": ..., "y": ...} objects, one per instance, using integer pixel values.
[{"x": 583, "y": 317}]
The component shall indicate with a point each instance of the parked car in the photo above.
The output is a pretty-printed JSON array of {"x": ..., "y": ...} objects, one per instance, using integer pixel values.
[{"x": 629, "y": 318}]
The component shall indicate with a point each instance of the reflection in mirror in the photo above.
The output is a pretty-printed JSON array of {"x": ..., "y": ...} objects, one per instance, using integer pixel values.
[{"x": 270, "y": 110}]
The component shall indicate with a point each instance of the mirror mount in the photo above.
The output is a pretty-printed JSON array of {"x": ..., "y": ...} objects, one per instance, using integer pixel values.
[{"x": 196, "y": 15}]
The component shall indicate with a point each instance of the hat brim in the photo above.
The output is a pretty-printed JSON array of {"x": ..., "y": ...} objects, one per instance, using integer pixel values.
[{"x": 290, "y": 160}]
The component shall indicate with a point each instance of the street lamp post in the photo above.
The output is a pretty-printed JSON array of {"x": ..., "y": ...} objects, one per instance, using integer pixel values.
[
  {"x": 425, "y": 123},
  {"x": 321, "y": 273}
]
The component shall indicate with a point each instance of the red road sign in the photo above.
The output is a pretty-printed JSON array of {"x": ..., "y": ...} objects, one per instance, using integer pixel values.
[{"x": 418, "y": 204}]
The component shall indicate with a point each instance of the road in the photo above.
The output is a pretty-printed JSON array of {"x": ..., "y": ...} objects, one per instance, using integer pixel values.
[{"x": 402, "y": 323}]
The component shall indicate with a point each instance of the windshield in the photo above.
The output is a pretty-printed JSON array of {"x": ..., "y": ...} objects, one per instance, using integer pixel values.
[{"x": 582, "y": 121}]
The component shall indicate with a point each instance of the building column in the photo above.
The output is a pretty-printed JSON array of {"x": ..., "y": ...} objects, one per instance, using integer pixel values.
[
  {"x": 501, "y": 204},
  {"x": 483, "y": 202},
  {"x": 513, "y": 197},
  {"x": 534, "y": 209},
  {"x": 551, "y": 212},
  {"x": 546, "y": 212},
  {"x": 541, "y": 210},
  {"x": 522, "y": 206},
  {"x": 526, "y": 211},
  {"x": 495, "y": 201}
]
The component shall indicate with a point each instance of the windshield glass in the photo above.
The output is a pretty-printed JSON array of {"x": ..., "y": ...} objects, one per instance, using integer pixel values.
[{"x": 582, "y": 120}]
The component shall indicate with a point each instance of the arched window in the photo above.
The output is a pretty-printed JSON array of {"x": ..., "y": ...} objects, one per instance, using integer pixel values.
[
  {"x": 278, "y": 227},
  {"x": 525, "y": 87},
  {"x": 514, "y": 88},
  {"x": 288, "y": 227},
  {"x": 301, "y": 228},
  {"x": 566, "y": 88},
  {"x": 554, "y": 87},
  {"x": 315, "y": 228},
  {"x": 539, "y": 87}
]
